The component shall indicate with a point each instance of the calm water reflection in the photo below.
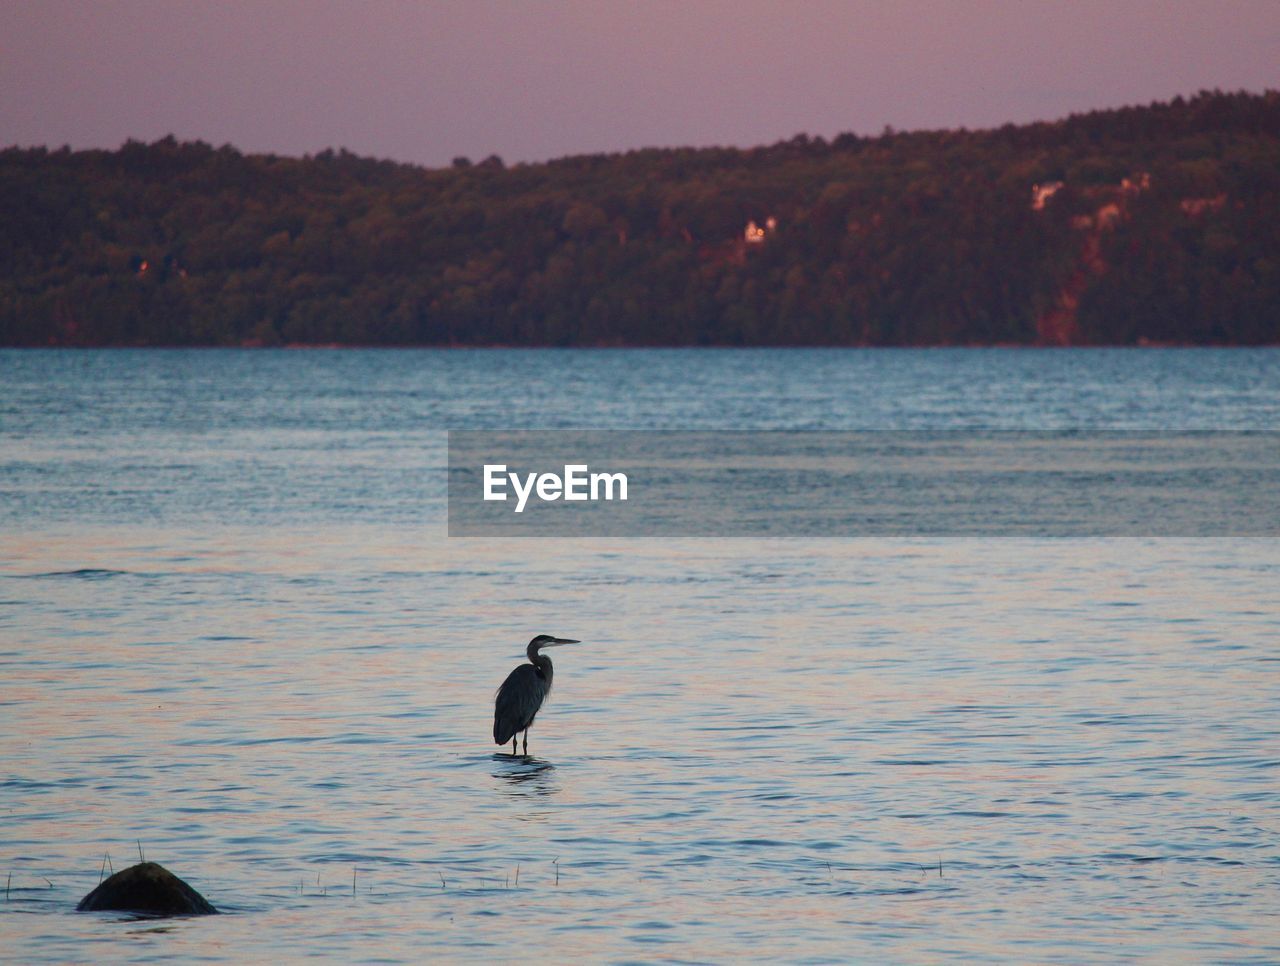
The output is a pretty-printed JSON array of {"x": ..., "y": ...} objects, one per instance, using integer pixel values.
[
  {"x": 526, "y": 776},
  {"x": 876, "y": 750},
  {"x": 1081, "y": 734}
]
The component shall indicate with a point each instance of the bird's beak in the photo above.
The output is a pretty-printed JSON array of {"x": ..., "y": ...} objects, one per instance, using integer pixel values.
[{"x": 561, "y": 640}]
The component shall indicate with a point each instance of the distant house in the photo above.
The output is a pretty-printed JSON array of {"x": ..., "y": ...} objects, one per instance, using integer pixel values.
[
  {"x": 1041, "y": 193},
  {"x": 1137, "y": 184},
  {"x": 1108, "y": 215},
  {"x": 1195, "y": 207},
  {"x": 754, "y": 234}
]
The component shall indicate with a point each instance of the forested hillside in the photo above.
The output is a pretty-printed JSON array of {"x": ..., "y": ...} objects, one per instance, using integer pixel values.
[{"x": 1145, "y": 224}]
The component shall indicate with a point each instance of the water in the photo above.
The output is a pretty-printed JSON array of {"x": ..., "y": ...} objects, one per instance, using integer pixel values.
[{"x": 233, "y": 635}]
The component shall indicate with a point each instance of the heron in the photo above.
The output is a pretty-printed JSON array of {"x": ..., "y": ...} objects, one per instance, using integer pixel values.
[{"x": 522, "y": 693}]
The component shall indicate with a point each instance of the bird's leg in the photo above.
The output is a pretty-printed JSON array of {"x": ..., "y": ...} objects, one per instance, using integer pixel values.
[
  {"x": 526, "y": 741},
  {"x": 513, "y": 746}
]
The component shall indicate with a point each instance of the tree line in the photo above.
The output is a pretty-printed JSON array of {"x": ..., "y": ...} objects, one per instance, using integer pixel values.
[{"x": 1142, "y": 224}]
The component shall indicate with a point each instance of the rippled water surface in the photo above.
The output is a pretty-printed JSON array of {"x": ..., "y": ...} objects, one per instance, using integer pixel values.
[{"x": 233, "y": 636}]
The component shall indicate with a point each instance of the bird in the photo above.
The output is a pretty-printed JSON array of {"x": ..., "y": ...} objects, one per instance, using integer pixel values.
[{"x": 518, "y": 700}]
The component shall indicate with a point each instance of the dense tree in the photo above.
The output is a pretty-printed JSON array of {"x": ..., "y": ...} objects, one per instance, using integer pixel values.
[{"x": 1153, "y": 223}]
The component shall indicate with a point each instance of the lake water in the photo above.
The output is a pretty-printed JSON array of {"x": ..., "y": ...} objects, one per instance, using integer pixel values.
[{"x": 234, "y": 636}]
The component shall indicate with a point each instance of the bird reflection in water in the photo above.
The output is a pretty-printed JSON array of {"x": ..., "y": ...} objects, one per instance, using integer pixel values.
[{"x": 526, "y": 776}]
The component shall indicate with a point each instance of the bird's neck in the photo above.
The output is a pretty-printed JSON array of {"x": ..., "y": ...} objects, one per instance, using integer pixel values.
[{"x": 543, "y": 664}]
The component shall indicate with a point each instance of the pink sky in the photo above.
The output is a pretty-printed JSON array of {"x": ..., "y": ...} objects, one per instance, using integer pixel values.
[{"x": 427, "y": 81}]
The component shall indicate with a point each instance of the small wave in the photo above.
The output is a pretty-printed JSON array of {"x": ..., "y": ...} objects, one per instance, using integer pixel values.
[
  {"x": 32, "y": 785},
  {"x": 84, "y": 573},
  {"x": 909, "y": 761},
  {"x": 889, "y": 891}
]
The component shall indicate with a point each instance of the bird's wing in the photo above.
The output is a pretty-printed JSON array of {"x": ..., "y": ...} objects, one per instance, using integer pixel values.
[{"x": 517, "y": 701}]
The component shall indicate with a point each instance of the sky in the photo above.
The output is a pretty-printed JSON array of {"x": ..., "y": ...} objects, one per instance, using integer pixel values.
[{"x": 431, "y": 80}]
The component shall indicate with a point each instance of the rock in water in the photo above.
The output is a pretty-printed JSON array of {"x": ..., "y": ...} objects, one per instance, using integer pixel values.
[{"x": 150, "y": 888}]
